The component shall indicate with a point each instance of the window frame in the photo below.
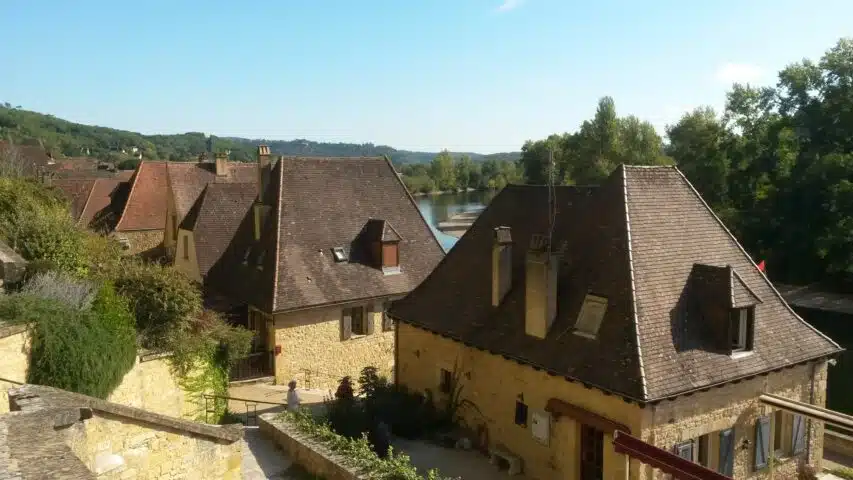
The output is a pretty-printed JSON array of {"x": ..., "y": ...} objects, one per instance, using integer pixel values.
[
  {"x": 742, "y": 323},
  {"x": 587, "y": 329},
  {"x": 445, "y": 381},
  {"x": 522, "y": 414},
  {"x": 186, "y": 245},
  {"x": 358, "y": 320},
  {"x": 703, "y": 450}
]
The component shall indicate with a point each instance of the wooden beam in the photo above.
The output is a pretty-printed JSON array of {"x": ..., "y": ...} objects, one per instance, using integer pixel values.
[{"x": 664, "y": 461}]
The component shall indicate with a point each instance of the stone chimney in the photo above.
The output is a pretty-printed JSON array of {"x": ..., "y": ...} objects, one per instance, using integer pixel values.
[
  {"x": 264, "y": 167},
  {"x": 540, "y": 300},
  {"x": 501, "y": 264},
  {"x": 221, "y": 164}
]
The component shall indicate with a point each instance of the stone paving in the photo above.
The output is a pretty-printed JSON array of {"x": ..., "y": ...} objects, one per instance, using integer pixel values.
[
  {"x": 262, "y": 458},
  {"x": 450, "y": 462}
]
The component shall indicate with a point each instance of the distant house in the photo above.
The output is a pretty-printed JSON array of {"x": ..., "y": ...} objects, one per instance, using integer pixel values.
[
  {"x": 31, "y": 160},
  {"x": 187, "y": 181},
  {"x": 142, "y": 221},
  {"x": 91, "y": 199},
  {"x": 629, "y": 308},
  {"x": 317, "y": 257}
]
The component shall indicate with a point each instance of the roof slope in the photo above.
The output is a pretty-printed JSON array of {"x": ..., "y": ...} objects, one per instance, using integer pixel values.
[
  {"x": 76, "y": 191},
  {"x": 188, "y": 179},
  {"x": 318, "y": 204},
  {"x": 216, "y": 217},
  {"x": 145, "y": 208},
  {"x": 671, "y": 229},
  {"x": 638, "y": 352}
]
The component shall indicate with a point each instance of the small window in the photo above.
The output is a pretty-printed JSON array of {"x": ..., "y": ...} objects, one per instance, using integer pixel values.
[
  {"x": 685, "y": 450},
  {"x": 340, "y": 254},
  {"x": 186, "y": 247},
  {"x": 741, "y": 329},
  {"x": 445, "y": 383},
  {"x": 778, "y": 428},
  {"x": 358, "y": 322},
  {"x": 390, "y": 255},
  {"x": 520, "y": 413},
  {"x": 590, "y": 316},
  {"x": 387, "y": 321}
]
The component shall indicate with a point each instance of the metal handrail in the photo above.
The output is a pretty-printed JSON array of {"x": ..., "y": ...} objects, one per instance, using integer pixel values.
[{"x": 251, "y": 406}]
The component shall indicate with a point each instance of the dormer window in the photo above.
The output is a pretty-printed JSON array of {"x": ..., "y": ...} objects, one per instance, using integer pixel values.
[
  {"x": 339, "y": 254},
  {"x": 390, "y": 256},
  {"x": 590, "y": 317},
  {"x": 384, "y": 245},
  {"x": 741, "y": 329}
]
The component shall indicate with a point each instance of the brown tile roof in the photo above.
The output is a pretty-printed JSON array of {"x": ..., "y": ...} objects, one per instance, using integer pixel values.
[
  {"x": 634, "y": 240},
  {"x": 76, "y": 191},
  {"x": 215, "y": 217},
  {"x": 318, "y": 204},
  {"x": 36, "y": 156},
  {"x": 145, "y": 208},
  {"x": 188, "y": 179}
]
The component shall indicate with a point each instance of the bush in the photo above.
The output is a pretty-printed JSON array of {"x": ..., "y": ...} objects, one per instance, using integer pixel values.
[
  {"x": 408, "y": 414},
  {"x": 356, "y": 452},
  {"x": 63, "y": 288},
  {"x": 84, "y": 351},
  {"x": 345, "y": 414},
  {"x": 162, "y": 298}
]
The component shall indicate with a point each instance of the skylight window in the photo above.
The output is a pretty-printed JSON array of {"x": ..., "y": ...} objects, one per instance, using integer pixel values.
[
  {"x": 590, "y": 316},
  {"x": 340, "y": 254}
]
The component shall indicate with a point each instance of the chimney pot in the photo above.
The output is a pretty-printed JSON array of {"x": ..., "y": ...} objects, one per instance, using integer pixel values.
[
  {"x": 264, "y": 168},
  {"x": 221, "y": 164}
]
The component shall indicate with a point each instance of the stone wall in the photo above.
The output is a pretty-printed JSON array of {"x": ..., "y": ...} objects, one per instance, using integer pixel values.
[
  {"x": 149, "y": 385},
  {"x": 13, "y": 361},
  {"x": 141, "y": 242},
  {"x": 310, "y": 455},
  {"x": 115, "y": 447},
  {"x": 313, "y": 353},
  {"x": 671, "y": 422}
]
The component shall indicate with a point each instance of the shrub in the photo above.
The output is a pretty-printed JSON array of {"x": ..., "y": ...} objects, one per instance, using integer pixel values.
[
  {"x": 61, "y": 287},
  {"x": 162, "y": 298},
  {"x": 346, "y": 415},
  {"x": 407, "y": 413},
  {"x": 356, "y": 452},
  {"x": 84, "y": 351}
]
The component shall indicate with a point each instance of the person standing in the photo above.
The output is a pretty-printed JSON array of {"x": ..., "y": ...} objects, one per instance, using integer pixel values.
[{"x": 293, "y": 399}]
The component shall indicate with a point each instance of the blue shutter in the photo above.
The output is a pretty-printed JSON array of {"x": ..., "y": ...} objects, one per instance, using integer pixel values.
[
  {"x": 798, "y": 439},
  {"x": 762, "y": 442},
  {"x": 727, "y": 452}
]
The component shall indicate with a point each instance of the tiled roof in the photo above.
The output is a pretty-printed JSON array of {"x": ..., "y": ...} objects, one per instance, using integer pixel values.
[
  {"x": 76, "y": 191},
  {"x": 188, "y": 179},
  {"x": 634, "y": 240},
  {"x": 318, "y": 204},
  {"x": 36, "y": 157},
  {"x": 145, "y": 208},
  {"x": 215, "y": 217}
]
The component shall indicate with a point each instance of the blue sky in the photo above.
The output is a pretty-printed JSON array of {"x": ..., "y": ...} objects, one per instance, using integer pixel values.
[{"x": 467, "y": 75}]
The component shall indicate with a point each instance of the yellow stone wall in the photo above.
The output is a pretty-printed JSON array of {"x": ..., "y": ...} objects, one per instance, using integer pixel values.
[
  {"x": 115, "y": 447},
  {"x": 493, "y": 384},
  {"x": 685, "y": 418},
  {"x": 149, "y": 385},
  {"x": 13, "y": 365},
  {"x": 187, "y": 262},
  {"x": 313, "y": 353}
]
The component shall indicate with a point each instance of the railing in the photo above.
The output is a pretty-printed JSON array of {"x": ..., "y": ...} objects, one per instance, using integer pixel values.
[
  {"x": 254, "y": 365},
  {"x": 247, "y": 414},
  {"x": 314, "y": 378}
]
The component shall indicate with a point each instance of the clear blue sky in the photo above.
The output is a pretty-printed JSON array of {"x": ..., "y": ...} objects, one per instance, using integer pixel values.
[{"x": 475, "y": 75}]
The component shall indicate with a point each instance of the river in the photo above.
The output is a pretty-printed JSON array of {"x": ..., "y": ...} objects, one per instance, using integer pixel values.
[{"x": 437, "y": 208}]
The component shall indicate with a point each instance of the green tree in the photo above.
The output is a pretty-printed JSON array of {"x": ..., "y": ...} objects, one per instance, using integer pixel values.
[
  {"x": 699, "y": 144},
  {"x": 443, "y": 171}
]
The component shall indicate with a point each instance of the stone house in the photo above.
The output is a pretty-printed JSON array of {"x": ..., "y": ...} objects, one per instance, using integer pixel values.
[
  {"x": 142, "y": 220},
  {"x": 93, "y": 199},
  {"x": 316, "y": 253},
  {"x": 186, "y": 181},
  {"x": 568, "y": 314}
]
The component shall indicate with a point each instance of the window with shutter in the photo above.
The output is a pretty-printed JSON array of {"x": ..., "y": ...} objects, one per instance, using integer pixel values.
[
  {"x": 702, "y": 450},
  {"x": 799, "y": 434},
  {"x": 727, "y": 452},
  {"x": 358, "y": 323},
  {"x": 685, "y": 450},
  {"x": 762, "y": 442}
]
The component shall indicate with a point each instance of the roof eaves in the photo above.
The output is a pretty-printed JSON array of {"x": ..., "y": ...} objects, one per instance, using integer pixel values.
[
  {"x": 633, "y": 283},
  {"x": 751, "y": 261},
  {"x": 277, "y": 239},
  {"x": 133, "y": 181}
]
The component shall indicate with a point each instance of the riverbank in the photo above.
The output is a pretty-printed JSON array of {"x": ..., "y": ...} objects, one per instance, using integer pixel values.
[{"x": 440, "y": 192}]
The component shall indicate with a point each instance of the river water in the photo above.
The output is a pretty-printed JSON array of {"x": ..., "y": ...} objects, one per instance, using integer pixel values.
[{"x": 437, "y": 208}]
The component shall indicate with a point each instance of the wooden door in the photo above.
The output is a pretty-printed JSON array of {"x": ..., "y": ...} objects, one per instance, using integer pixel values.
[{"x": 592, "y": 453}]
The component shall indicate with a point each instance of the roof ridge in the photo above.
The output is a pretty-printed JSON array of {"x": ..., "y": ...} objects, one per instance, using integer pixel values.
[
  {"x": 277, "y": 236},
  {"x": 414, "y": 204},
  {"x": 740, "y": 279},
  {"x": 624, "y": 179},
  {"x": 749, "y": 258},
  {"x": 135, "y": 177}
]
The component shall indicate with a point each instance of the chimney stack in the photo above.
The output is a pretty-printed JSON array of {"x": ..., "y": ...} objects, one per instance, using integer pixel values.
[
  {"x": 263, "y": 169},
  {"x": 540, "y": 301},
  {"x": 221, "y": 164},
  {"x": 501, "y": 264}
]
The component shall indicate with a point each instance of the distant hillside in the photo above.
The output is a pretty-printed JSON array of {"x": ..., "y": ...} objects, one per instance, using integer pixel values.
[{"x": 62, "y": 137}]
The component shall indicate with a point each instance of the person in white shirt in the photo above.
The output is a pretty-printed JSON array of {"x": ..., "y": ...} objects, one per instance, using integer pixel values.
[{"x": 293, "y": 400}]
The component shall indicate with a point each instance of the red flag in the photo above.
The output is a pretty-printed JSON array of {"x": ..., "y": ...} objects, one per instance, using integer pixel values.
[{"x": 761, "y": 266}]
